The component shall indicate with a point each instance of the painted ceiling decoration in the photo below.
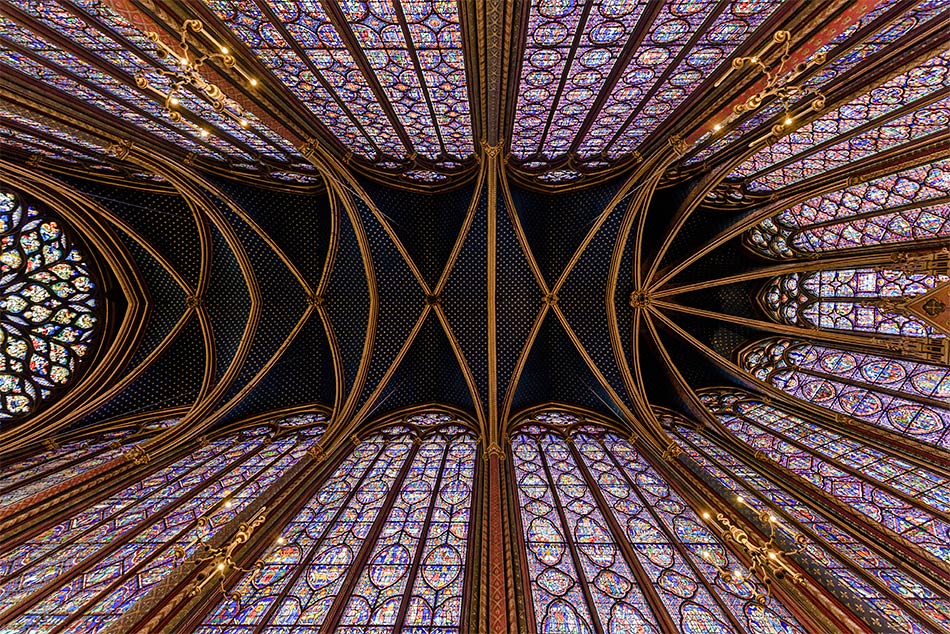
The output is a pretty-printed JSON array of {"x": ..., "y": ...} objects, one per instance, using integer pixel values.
[{"x": 424, "y": 316}]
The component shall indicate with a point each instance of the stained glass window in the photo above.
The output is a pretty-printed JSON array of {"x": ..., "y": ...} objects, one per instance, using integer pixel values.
[
  {"x": 381, "y": 546},
  {"x": 48, "y": 306},
  {"x": 887, "y": 28},
  {"x": 57, "y": 464},
  {"x": 909, "y": 106},
  {"x": 122, "y": 51},
  {"x": 850, "y": 299},
  {"x": 95, "y": 564},
  {"x": 414, "y": 55},
  {"x": 903, "y": 396},
  {"x": 910, "y": 205},
  {"x": 597, "y": 520},
  {"x": 868, "y": 580}
]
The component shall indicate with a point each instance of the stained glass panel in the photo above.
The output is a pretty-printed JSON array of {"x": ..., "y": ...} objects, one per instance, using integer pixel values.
[
  {"x": 48, "y": 304},
  {"x": 850, "y": 299},
  {"x": 123, "y": 545},
  {"x": 902, "y": 396},
  {"x": 862, "y": 578},
  {"x": 794, "y": 157},
  {"x": 400, "y": 511}
]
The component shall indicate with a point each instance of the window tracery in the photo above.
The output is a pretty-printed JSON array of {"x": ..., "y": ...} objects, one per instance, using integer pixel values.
[
  {"x": 861, "y": 300},
  {"x": 48, "y": 303},
  {"x": 381, "y": 546},
  {"x": 908, "y": 206},
  {"x": 873, "y": 583},
  {"x": 602, "y": 529},
  {"x": 904, "y": 396},
  {"x": 100, "y": 560}
]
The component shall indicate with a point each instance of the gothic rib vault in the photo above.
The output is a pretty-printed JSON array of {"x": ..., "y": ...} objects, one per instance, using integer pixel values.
[{"x": 543, "y": 221}]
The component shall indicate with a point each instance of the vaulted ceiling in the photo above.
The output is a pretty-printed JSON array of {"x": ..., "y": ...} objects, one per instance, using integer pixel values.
[{"x": 489, "y": 205}]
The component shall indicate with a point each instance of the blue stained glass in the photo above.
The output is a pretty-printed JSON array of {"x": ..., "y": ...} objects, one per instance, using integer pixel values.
[
  {"x": 916, "y": 523},
  {"x": 328, "y": 80},
  {"x": 840, "y": 62},
  {"x": 416, "y": 565},
  {"x": 84, "y": 29},
  {"x": 847, "y": 382},
  {"x": 849, "y": 299}
]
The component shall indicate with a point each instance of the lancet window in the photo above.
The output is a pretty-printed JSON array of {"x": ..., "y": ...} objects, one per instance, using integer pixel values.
[
  {"x": 47, "y": 306},
  {"x": 850, "y": 299},
  {"x": 382, "y": 545},
  {"x": 610, "y": 546},
  {"x": 909, "y": 206},
  {"x": 96, "y": 563},
  {"x": 870, "y": 579},
  {"x": 907, "y": 397}
]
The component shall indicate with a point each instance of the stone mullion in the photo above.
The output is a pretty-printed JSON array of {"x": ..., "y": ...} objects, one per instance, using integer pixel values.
[{"x": 815, "y": 538}]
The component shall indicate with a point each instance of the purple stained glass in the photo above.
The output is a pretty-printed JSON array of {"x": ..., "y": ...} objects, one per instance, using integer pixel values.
[
  {"x": 136, "y": 556},
  {"x": 854, "y": 571},
  {"x": 423, "y": 77},
  {"x": 126, "y": 58},
  {"x": 704, "y": 58},
  {"x": 754, "y": 422},
  {"x": 417, "y": 564},
  {"x": 841, "y": 61},
  {"x": 570, "y": 50},
  {"x": 902, "y": 396},
  {"x": 849, "y": 299},
  {"x": 326, "y": 79}
]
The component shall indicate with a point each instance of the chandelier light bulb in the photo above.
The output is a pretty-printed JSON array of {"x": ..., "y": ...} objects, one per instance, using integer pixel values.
[
  {"x": 173, "y": 101},
  {"x": 253, "y": 81},
  {"x": 224, "y": 50}
]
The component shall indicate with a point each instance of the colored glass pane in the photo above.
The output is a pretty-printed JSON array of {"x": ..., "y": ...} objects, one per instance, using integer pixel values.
[
  {"x": 125, "y": 52},
  {"x": 754, "y": 423},
  {"x": 591, "y": 507},
  {"x": 836, "y": 557},
  {"x": 692, "y": 66},
  {"x": 324, "y": 76},
  {"x": 48, "y": 318},
  {"x": 794, "y": 156},
  {"x": 849, "y": 299},
  {"x": 903, "y": 396},
  {"x": 399, "y": 508},
  {"x": 125, "y": 544}
]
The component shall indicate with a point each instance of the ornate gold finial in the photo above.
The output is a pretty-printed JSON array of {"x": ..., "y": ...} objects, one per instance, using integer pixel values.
[
  {"x": 633, "y": 438},
  {"x": 120, "y": 149},
  {"x": 491, "y": 151},
  {"x": 35, "y": 159},
  {"x": 672, "y": 452},
  {"x": 316, "y": 453},
  {"x": 308, "y": 147},
  {"x": 136, "y": 454},
  {"x": 678, "y": 144},
  {"x": 190, "y": 159},
  {"x": 494, "y": 450},
  {"x": 355, "y": 440},
  {"x": 203, "y": 441},
  {"x": 640, "y": 298},
  {"x": 760, "y": 455}
]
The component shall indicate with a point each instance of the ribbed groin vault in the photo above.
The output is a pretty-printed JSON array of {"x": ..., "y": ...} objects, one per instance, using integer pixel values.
[{"x": 475, "y": 316}]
